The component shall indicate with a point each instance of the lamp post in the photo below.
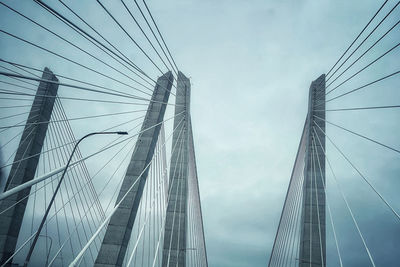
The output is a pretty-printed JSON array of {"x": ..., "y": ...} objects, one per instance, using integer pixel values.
[{"x": 28, "y": 257}]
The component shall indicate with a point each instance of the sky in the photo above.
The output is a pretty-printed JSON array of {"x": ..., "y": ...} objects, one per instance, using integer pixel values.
[{"x": 251, "y": 64}]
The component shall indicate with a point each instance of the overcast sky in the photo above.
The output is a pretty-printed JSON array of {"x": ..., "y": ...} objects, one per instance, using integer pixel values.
[{"x": 251, "y": 64}]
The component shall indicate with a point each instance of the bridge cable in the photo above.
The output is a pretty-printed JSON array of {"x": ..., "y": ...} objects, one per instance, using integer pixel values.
[
  {"x": 363, "y": 177},
  {"x": 145, "y": 35},
  {"x": 369, "y": 22},
  {"x": 314, "y": 173},
  {"x": 79, "y": 154},
  {"x": 155, "y": 37},
  {"x": 171, "y": 185},
  {"x": 277, "y": 241},
  {"x": 183, "y": 191},
  {"x": 146, "y": 219},
  {"x": 21, "y": 80},
  {"x": 327, "y": 204},
  {"x": 162, "y": 203},
  {"x": 362, "y": 69},
  {"x": 106, "y": 147},
  {"x": 57, "y": 177},
  {"x": 179, "y": 194},
  {"x": 68, "y": 198},
  {"x": 133, "y": 40},
  {"x": 101, "y": 191},
  {"x": 47, "y": 151},
  {"x": 168, "y": 190},
  {"x": 298, "y": 214},
  {"x": 364, "y": 108},
  {"x": 292, "y": 207},
  {"x": 86, "y": 35},
  {"x": 69, "y": 60},
  {"x": 33, "y": 117},
  {"x": 158, "y": 30},
  {"x": 69, "y": 201},
  {"x": 75, "y": 261},
  {"x": 22, "y": 94},
  {"x": 66, "y": 128},
  {"x": 311, "y": 221},
  {"x": 359, "y": 135},
  {"x": 77, "y": 47},
  {"x": 18, "y": 106},
  {"x": 366, "y": 51},
  {"x": 73, "y": 119},
  {"x": 130, "y": 37},
  {"x": 373, "y": 30},
  {"x": 287, "y": 238},
  {"x": 73, "y": 177},
  {"x": 45, "y": 193},
  {"x": 18, "y": 114},
  {"x": 93, "y": 40},
  {"x": 29, "y": 141},
  {"x": 118, "y": 93},
  {"x": 17, "y": 65},
  {"x": 53, "y": 216},
  {"x": 299, "y": 199},
  {"x": 362, "y": 87},
  {"x": 81, "y": 31},
  {"x": 20, "y": 86},
  {"x": 346, "y": 202},
  {"x": 11, "y": 92},
  {"x": 11, "y": 139}
]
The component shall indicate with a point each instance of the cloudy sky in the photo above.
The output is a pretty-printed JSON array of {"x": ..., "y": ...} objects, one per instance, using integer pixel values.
[{"x": 251, "y": 64}]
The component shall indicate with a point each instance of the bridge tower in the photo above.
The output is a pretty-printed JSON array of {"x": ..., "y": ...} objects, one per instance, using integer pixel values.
[
  {"x": 114, "y": 246},
  {"x": 312, "y": 238},
  {"x": 23, "y": 171},
  {"x": 174, "y": 249}
]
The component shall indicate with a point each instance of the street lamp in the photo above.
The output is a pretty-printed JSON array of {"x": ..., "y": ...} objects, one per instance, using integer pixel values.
[{"x": 28, "y": 257}]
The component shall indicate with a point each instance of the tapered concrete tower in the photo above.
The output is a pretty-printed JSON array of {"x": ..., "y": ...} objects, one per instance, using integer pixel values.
[
  {"x": 31, "y": 144},
  {"x": 113, "y": 248},
  {"x": 174, "y": 249},
  {"x": 313, "y": 237}
]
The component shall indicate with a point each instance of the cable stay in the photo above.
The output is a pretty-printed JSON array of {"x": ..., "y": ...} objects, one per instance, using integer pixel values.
[
  {"x": 158, "y": 30},
  {"x": 77, "y": 47},
  {"x": 173, "y": 67},
  {"x": 362, "y": 69},
  {"x": 56, "y": 171},
  {"x": 362, "y": 42},
  {"x": 85, "y": 248},
  {"x": 362, "y": 87},
  {"x": 58, "y": 75},
  {"x": 366, "y": 51},
  {"x": 362, "y": 176},
  {"x": 359, "y": 135},
  {"x": 132, "y": 39},
  {"x": 117, "y": 93},
  {"x": 358, "y": 36}
]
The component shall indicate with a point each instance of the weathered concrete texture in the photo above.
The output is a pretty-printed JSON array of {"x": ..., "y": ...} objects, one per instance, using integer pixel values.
[
  {"x": 174, "y": 249},
  {"x": 313, "y": 237},
  {"x": 31, "y": 143},
  {"x": 116, "y": 239}
]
